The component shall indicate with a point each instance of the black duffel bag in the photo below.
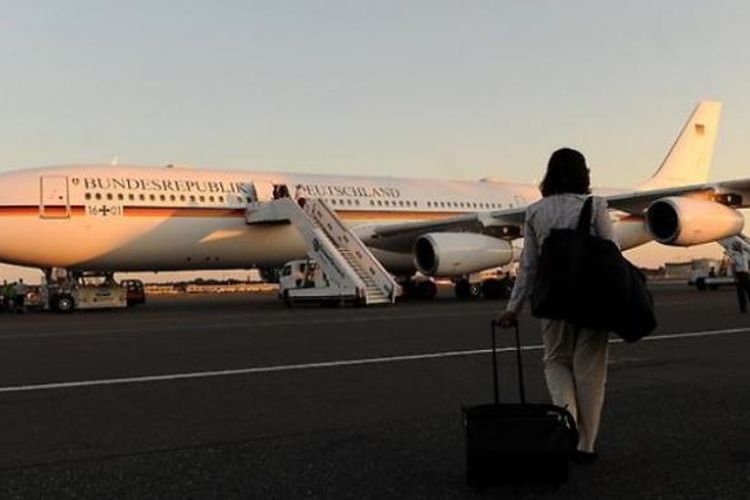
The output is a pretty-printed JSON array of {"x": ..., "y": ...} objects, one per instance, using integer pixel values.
[{"x": 585, "y": 280}]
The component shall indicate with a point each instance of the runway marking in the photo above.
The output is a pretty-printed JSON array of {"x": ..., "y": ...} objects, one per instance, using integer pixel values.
[{"x": 326, "y": 364}]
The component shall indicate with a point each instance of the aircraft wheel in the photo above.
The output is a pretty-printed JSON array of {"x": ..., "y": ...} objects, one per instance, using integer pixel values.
[
  {"x": 462, "y": 288},
  {"x": 427, "y": 290},
  {"x": 495, "y": 289},
  {"x": 491, "y": 289},
  {"x": 466, "y": 290}
]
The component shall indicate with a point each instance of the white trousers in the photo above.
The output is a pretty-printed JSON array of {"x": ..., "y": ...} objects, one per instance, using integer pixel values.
[{"x": 575, "y": 368}]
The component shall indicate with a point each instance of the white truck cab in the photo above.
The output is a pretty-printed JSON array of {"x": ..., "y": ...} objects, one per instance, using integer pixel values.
[{"x": 304, "y": 281}]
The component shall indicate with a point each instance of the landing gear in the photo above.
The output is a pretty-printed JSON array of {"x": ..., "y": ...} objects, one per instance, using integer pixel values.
[
  {"x": 497, "y": 288},
  {"x": 467, "y": 290},
  {"x": 418, "y": 289},
  {"x": 427, "y": 290}
]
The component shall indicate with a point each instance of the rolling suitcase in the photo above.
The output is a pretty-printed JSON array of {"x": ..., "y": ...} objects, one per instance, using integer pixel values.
[{"x": 509, "y": 443}]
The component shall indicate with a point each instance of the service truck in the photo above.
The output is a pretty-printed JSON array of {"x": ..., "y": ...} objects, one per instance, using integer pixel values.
[{"x": 304, "y": 281}]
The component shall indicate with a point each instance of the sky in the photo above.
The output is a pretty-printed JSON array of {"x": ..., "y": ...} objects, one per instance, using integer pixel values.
[{"x": 448, "y": 89}]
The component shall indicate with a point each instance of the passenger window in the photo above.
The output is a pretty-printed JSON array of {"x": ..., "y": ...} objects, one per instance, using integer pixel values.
[
  {"x": 120, "y": 196},
  {"x": 98, "y": 196},
  {"x": 151, "y": 197},
  {"x": 172, "y": 197},
  {"x": 88, "y": 196},
  {"x": 211, "y": 199},
  {"x": 221, "y": 199},
  {"x": 202, "y": 198},
  {"x": 142, "y": 196},
  {"x": 131, "y": 197},
  {"x": 182, "y": 197},
  {"x": 109, "y": 196},
  {"x": 192, "y": 198},
  {"x": 162, "y": 197}
]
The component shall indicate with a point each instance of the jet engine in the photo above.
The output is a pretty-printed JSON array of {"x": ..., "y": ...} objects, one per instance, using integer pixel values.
[
  {"x": 457, "y": 254},
  {"x": 681, "y": 221}
]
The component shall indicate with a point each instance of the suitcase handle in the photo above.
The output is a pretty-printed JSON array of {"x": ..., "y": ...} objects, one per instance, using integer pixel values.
[{"x": 519, "y": 362}]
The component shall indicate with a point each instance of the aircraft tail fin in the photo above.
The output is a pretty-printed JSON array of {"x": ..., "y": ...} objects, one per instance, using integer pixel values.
[{"x": 689, "y": 159}]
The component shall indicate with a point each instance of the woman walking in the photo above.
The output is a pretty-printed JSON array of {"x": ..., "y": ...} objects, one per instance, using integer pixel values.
[{"x": 575, "y": 358}]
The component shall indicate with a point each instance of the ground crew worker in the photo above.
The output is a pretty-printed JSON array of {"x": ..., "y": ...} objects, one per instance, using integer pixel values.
[
  {"x": 8, "y": 296},
  {"x": 4, "y": 301},
  {"x": 19, "y": 296},
  {"x": 740, "y": 267},
  {"x": 575, "y": 359}
]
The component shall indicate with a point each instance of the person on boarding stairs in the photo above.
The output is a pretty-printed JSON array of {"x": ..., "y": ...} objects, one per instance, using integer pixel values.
[
  {"x": 575, "y": 359},
  {"x": 299, "y": 195},
  {"x": 740, "y": 267}
]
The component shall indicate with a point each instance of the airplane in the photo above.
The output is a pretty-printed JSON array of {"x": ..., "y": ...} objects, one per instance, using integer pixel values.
[{"x": 115, "y": 218}]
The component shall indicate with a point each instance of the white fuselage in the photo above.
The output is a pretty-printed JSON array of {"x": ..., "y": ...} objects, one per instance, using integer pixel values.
[{"x": 119, "y": 218}]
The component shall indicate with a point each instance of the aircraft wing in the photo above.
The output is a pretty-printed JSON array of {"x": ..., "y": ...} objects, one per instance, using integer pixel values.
[
  {"x": 400, "y": 237},
  {"x": 633, "y": 203}
]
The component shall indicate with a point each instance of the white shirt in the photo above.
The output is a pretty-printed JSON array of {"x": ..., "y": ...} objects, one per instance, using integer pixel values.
[{"x": 558, "y": 211}]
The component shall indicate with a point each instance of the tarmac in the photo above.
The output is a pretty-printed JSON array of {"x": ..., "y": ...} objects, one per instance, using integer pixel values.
[{"x": 239, "y": 397}]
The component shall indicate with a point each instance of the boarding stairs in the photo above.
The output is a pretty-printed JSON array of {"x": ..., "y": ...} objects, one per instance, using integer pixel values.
[
  {"x": 350, "y": 268},
  {"x": 727, "y": 243}
]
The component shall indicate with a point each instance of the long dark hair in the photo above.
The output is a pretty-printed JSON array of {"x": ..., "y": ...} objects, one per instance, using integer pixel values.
[{"x": 566, "y": 173}]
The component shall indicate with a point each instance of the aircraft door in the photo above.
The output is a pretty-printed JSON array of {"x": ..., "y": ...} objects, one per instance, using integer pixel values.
[
  {"x": 263, "y": 191},
  {"x": 54, "y": 203}
]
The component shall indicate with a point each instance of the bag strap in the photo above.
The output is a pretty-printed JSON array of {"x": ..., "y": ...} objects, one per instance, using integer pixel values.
[{"x": 584, "y": 220}]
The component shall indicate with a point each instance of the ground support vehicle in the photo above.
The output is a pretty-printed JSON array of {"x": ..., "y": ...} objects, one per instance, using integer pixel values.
[
  {"x": 303, "y": 281},
  {"x": 65, "y": 292}
]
